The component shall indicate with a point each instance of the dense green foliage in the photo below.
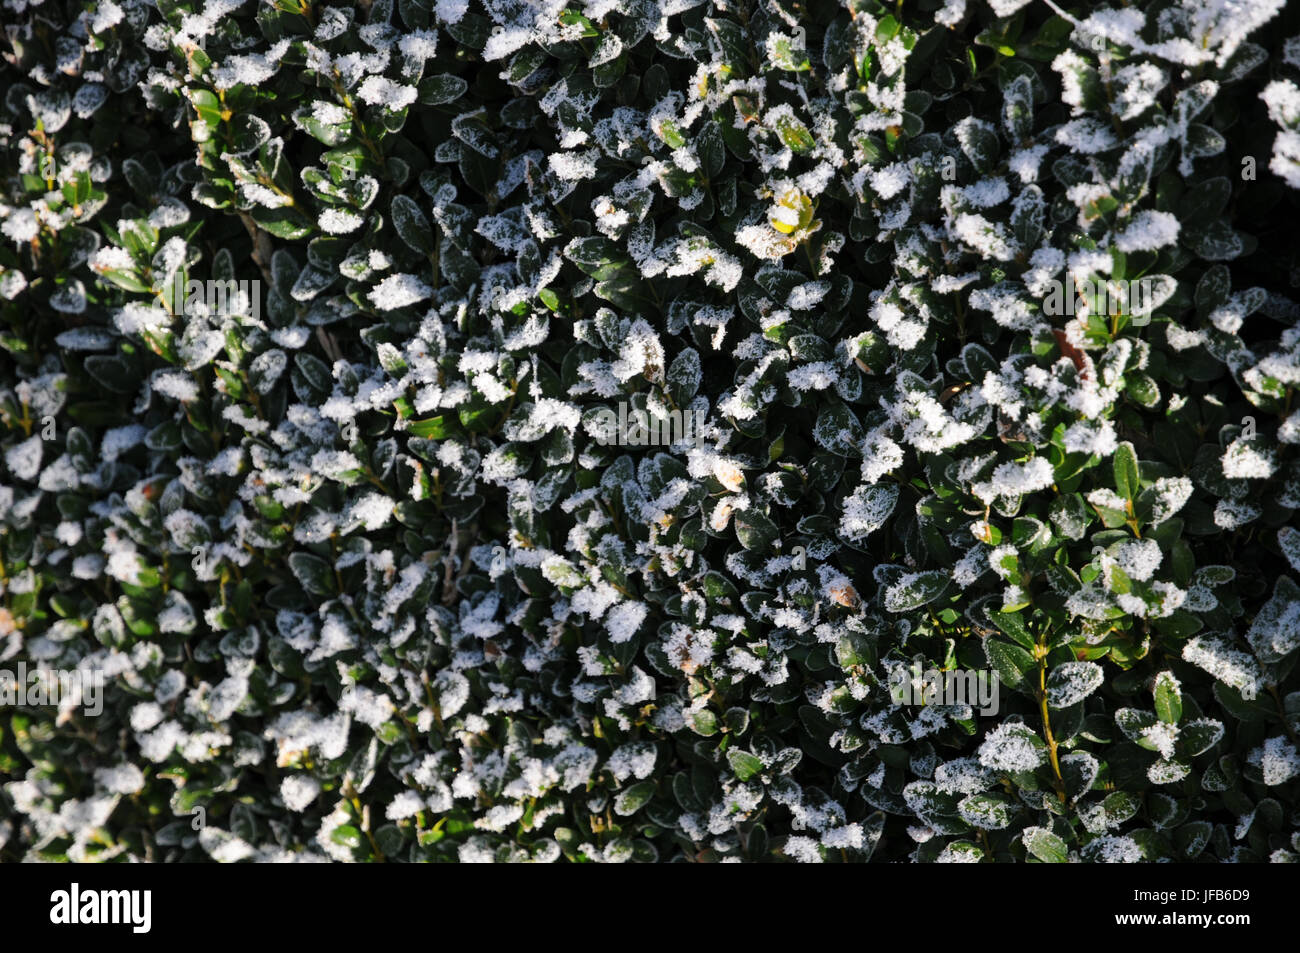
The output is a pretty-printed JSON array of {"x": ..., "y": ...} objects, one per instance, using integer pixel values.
[{"x": 313, "y": 319}]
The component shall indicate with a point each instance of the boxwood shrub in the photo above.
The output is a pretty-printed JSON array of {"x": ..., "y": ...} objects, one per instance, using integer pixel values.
[{"x": 540, "y": 430}]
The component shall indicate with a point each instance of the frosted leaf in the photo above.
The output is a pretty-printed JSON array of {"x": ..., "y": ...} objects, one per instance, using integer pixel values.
[
  {"x": 867, "y": 509},
  {"x": 124, "y": 778},
  {"x": 1288, "y": 540},
  {"x": 266, "y": 369},
  {"x": 250, "y": 70},
  {"x": 24, "y": 459},
  {"x": 803, "y": 849},
  {"x": 1071, "y": 682},
  {"x": 685, "y": 372},
  {"x": 372, "y": 511},
  {"x": 298, "y": 791},
  {"x": 1015, "y": 479},
  {"x": 419, "y": 45},
  {"x": 1285, "y": 162},
  {"x": 245, "y": 417},
  {"x": 450, "y": 11},
  {"x": 1007, "y": 306},
  {"x": 987, "y": 812},
  {"x": 845, "y": 837},
  {"x": 989, "y": 239},
  {"x": 962, "y": 852},
  {"x": 380, "y": 91},
  {"x": 226, "y": 697},
  {"x": 1159, "y": 736},
  {"x": 1180, "y": 339},
  {"x": 85, "y": 339},
  {"x": 1249, "y": 459},
  {"x": 913, "y": 590},
  {"x": 451, "y": 689},
  {"x": 199, "y": 345},
  {"x": 764, "y": 242},
  {"x": 1232, "y": 666},
  {"x": 224, "y": 847},
  {"x": 399, "y": 291},
  {"x": 574, "y": 166},
  {"x": 177, "y": 614},
  {"x": 635, "y": 760},
  {"x": 338, "y": 221},
  {"x": 624, "y": 619},
  {"x": 187, "y": 529},
  {"x": 1233, "y": 514},
  {"x": 951, "y": 13},
  {"x": 1277, "y": 761},
  {"x": 504, "y": 231},
  {"x": 1112, "y": 849},
  {"x": 963, "y": 776},
  {"x": 607, "y": 49},
  {"x": 88, "y": 99},
  {"x": 891, "y": 180},
  {"x": 807, "y": 296},
  {"x": 12, "y": 283},
  {"x": 1011, "y": 747},
  {"x": 407, "y": 804},
  {"x": 1171, "y": 494},
  {"x": 1148, "y": 231},
  {"x": 1229, "y": 316},
  {"x": 1087, "y": 135},
  {"x": 1139, "y": 558},
  {"x": 70, "y": 299},
  {"x": 1223, "y": 27},
  {"x": 366, "y": 705},
  {"x": 1200, "y": 735},
  {"x": 20, "y": 226},
  {"x": 1138, "y": 86},
  {"x": 1275, "y": 631},
  {"x": 1091, "y": 437}
]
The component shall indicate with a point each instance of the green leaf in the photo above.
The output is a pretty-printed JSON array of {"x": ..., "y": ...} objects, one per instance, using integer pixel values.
[
  {"x": 1125, "y": 465},
  {"x": 755, "y": 531},
  {"x": 1013, "y": 625},
  {"x": 1133, "y": 722},
  {"x": 431, "y": 428},
  {"x": 1198, "y": 736},
  {"x": 1191, "y": 839},
  {"x": 980, "y": 144},
  {"x": 1045, "y": 845},
  {"x": 443, "y": 89},
  {"x": 346, "y": 835},
  {"x": 287, "y": 223},
  {"x": 1071, "y": 682},
  {"x": 1011, "y": 662},
  {"x": 313, "y": 573},
  {"x": 1212, "y": 289},
  {"x": 744, "y": 764},
  {"x": 704, "y": 723},
  {"x": 390, "y": 839},
  {"x": 411, "y": 224},
  {"x": 794, "y": 133},
  {"x": 1169, "y": 699},
  {"x": 316, "y": 371},
  {"x": 634, "y": 798},
  {"x": 915, "y": 591},
  {"x": 786, "y": 57},
  {"x": 112, "y": 373},
  {"x": 838, "y": 429}
]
